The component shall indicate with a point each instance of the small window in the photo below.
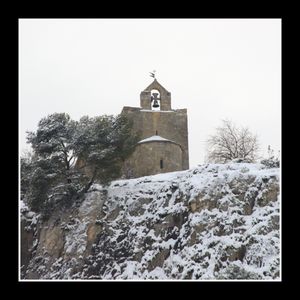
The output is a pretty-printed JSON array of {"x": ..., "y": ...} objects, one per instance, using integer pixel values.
[
  {"x": 161, "y": 164},
  {"x": 156, "y": 132}
]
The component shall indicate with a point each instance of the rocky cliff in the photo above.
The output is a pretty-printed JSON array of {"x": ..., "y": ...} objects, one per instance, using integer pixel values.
[{"x": 210, "y": 222}]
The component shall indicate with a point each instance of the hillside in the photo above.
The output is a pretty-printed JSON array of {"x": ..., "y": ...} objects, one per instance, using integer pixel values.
[{"x": 210, "y": 222}]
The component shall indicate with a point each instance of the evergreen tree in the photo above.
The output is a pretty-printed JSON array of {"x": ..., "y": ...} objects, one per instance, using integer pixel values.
[
  {"x": 69, "y": 156},
  {"x": 103, "y": 143},
  {"x": 26, "y": 168},
  {"x": 52, "y": 178}
]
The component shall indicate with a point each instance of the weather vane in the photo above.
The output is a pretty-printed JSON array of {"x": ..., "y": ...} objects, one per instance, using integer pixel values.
[{"x": 152, "y": 74}]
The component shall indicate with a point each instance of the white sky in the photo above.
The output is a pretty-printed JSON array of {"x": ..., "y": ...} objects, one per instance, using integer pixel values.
[{"x": 216, "y": 68}]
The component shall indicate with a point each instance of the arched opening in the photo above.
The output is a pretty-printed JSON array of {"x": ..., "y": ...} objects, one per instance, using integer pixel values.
[{"x": 155, "y": 100}]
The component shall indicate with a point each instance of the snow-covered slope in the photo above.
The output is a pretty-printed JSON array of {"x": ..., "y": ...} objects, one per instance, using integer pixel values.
[{"x": 210, "y": 222}]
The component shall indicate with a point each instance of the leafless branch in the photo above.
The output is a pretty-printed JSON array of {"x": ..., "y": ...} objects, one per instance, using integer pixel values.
[{"x": 231, "y": 143}]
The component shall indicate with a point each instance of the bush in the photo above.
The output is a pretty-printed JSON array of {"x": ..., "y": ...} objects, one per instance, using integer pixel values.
[{"x": 271, "y": 161}]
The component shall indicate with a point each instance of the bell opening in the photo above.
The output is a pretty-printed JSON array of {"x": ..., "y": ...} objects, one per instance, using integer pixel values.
[{"x": 155, "y": 100}]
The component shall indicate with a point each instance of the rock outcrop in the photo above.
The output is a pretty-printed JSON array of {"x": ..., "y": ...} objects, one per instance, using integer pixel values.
[{"x": 211, "y": 222}]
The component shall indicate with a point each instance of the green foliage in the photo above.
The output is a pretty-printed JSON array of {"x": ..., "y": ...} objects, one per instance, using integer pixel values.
[
  {"x": 54, "y": 177},
  {"x": 103, "y": 143},
  {"x": 54, "y": 135},
  {"x": 26, "y": 168},
  {"x": 41, "y": 180}
]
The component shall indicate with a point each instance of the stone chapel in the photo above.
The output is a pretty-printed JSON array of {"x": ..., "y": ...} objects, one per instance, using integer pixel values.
[{"x": 164, "y": 134}]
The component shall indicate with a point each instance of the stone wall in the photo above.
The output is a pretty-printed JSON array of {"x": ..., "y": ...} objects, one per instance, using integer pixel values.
[
  {"x": 171, "y": 125},
  {"x": 153, "y": 158},
  {"x": 166, "y": 122}
]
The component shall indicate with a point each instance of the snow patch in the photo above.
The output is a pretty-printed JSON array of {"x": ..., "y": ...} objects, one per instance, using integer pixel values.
[{"x": 154, "y": 138}]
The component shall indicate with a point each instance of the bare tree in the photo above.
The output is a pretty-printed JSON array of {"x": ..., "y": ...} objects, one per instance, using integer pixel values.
[{"x": 231, "y": 142}]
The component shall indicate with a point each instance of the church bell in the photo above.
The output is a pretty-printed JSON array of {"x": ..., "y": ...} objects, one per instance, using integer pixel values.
[
  {"x": 154, "y": 98},
  {"x": 155, "y": 103}
]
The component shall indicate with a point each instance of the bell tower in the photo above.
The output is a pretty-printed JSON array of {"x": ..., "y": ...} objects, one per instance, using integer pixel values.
[
  {"x": 149, "y": 96},
  {"x": 163, "y": 146}
]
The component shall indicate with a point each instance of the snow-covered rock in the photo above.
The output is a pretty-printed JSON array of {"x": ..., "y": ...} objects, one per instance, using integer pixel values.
[{"x": 215, "y": 221}]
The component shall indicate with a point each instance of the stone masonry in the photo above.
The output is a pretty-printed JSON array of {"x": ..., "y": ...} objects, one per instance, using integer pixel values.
[{"x": 167, "y": 150}]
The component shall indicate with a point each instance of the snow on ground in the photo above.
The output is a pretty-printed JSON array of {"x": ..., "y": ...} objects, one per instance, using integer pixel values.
[
  {"x": 215, "y": 221},
  {"x": 219, "y": 238}
]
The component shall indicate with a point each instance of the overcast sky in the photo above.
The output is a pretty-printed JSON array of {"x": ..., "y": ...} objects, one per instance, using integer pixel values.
[{"x": 216, "y": 68}]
